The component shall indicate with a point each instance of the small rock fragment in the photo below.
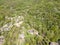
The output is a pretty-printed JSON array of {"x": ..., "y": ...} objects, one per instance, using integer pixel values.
[
  {"x": 32, "y": 31},
  {"x": 53, "y": 43}
]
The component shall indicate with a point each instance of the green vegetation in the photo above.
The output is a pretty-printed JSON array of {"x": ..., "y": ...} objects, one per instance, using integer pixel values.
[{"x": 20, "y": 16}]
